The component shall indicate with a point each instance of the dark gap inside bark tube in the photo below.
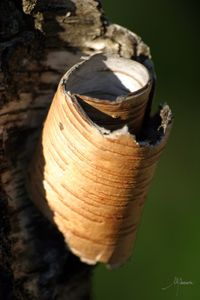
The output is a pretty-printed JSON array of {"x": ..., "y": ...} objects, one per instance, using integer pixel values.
[{"x": 113, "y": 91}]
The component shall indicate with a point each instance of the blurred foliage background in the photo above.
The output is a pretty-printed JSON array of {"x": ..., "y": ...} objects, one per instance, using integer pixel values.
[{"x": 168, "y": 240}]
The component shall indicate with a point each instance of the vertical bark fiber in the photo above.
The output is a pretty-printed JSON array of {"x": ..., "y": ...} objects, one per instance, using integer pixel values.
[{"x": 39, "y": 41}]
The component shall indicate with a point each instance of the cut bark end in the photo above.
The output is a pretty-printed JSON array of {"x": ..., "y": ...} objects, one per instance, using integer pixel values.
[
  {"x": 90, "y": 176},
  {"x": 113, "y": 91},
  {"x": 106, "y": 76}
]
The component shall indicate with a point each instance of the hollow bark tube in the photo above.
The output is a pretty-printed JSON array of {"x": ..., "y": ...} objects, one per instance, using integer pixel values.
[
  {"x": 113, "y": 91},
  {"x": 91, "y": 180}
]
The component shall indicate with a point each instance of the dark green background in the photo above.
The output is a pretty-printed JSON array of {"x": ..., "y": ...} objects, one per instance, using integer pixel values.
[{"x": 168, "y": 240}]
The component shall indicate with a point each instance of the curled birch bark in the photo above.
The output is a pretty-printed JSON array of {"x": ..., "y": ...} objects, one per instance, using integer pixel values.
[{"x": 97, "y": 155}]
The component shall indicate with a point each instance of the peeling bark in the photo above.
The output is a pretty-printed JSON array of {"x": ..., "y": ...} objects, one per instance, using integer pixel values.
[{"x": 39, "y": 41}]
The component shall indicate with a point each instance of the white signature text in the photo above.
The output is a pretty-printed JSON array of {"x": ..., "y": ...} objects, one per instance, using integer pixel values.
[{"x": 177, "y": 283}]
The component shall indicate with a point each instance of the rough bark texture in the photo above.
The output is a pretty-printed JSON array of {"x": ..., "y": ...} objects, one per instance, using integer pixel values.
[{"x": 39, "y": 41}]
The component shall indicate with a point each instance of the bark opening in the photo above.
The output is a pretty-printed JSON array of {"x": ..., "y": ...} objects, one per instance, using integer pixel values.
[
  {"x": 107, "y": 77},
  {"x": 113, "y": 91}
]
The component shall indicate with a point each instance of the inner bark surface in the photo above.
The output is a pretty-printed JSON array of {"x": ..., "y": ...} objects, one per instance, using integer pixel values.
[
  {"x": 101, "y": 85},
  {"x": 107, "y": 78}
]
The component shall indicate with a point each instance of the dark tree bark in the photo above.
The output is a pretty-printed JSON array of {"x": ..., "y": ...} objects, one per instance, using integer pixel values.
[{"x": 39, "y": 41}]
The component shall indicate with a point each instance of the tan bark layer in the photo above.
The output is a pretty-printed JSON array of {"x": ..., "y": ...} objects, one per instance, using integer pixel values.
[{"x": 90, "y": 180}]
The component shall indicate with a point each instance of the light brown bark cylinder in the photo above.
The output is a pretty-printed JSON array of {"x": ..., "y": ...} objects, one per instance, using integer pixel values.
[{"x": 89, "y": 180}]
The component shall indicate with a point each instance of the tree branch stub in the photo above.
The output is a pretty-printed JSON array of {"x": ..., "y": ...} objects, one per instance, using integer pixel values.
[{"x": 45, "y": 40}]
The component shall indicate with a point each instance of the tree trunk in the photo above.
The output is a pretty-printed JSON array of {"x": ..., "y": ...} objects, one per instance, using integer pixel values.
[{"x": 39, "y": 41}]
